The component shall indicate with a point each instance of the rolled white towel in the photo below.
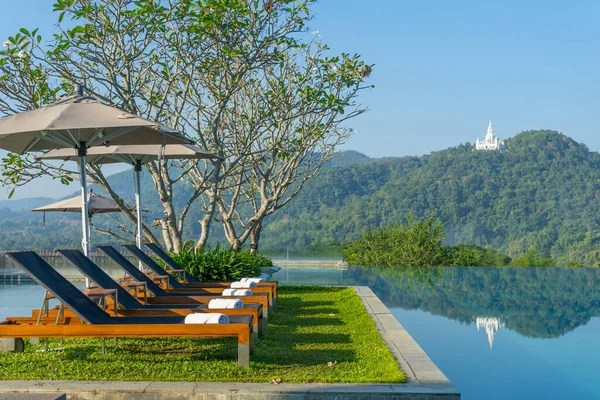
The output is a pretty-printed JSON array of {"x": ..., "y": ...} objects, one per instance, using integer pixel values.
[
  {"x": 225, "y": 303},
  {"x": 237, "y": 292},
  {"x": 242, "y": 285},
  {"x": 255, "y": 280},
  {"x": 206, "y": 318}
]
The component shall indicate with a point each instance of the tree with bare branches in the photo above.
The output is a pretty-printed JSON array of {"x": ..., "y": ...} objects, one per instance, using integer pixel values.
[{"x": 235, "y": 76}]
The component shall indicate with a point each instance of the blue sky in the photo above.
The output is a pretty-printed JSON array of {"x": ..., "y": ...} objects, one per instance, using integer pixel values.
[{"x": 443, "y": 68}]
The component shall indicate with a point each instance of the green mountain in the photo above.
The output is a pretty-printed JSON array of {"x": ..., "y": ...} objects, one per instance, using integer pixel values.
[{"x": 542, "y": 192}]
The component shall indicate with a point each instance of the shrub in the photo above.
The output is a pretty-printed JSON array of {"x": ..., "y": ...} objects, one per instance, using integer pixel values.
[
  {"x": 532, "y": 258},
  {"x": 466, "y": 255},
  {"x": 220, "y": 263},
  {"x": 416, "y": 243}
]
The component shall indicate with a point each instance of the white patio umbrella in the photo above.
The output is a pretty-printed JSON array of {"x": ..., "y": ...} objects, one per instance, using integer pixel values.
[
  {"x": 135, "y": 155},
  {"x": 78, "y": 123},
  {"x": 96, "y": 205}
]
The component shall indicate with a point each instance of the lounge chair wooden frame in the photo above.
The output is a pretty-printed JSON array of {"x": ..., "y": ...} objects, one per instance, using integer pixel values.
[
  {"x": 161, "y": 296},
  {"x": 191, "y": 281},
  {"x": 98, "y": 324},
  {"x": 130, "y": 306},
  {"x": 180, "y": 287}
]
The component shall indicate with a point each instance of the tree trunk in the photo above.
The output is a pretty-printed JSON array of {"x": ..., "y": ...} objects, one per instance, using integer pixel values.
[
  {"x": 171, "y": 233},
  {"x": 210, "y": 211},
  {"x": 255, "y": 237},
  {"x": 166, "y": 236}
]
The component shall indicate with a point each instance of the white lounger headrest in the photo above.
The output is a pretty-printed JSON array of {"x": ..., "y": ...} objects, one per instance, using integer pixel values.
[
  {"x": 237, "y": 292},
  {"x": 242, "y": 285},
  {"x": 225, "y": 303},
  {"x": 206, "y": 318}
]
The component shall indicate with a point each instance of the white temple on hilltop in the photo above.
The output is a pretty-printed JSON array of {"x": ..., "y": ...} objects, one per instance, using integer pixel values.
[
  {"x": 490, "y": 142},
  {"x": 491, "y": 325}
]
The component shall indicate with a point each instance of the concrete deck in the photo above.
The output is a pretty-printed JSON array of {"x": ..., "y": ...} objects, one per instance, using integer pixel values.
[{"x": 424, "y": 379}]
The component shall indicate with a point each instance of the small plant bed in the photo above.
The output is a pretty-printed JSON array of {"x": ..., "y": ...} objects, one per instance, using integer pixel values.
[{"x": 316, "y": 334}]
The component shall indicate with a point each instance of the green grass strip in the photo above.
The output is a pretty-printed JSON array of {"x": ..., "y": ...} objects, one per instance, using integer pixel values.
[{"x": 316, "y": 334}]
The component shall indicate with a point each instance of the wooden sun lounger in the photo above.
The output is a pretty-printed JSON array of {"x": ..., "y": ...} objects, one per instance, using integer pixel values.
[
  {"x": 178, "y": 286},
  {"x": 130, "y": 306},
  {"x": 99, "y": 324},
  {"x": 161, "y": 296},
  {"x": 190, "y": 280}
]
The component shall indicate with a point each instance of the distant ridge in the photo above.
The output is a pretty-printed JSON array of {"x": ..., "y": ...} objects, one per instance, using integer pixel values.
[
  {"x": 543, "y": 192},
  {"x": 347, "y": 157},
  {"x": 26, "y": 204}
]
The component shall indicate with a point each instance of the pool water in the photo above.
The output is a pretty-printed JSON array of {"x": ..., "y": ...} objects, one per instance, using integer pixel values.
[{"x": 497, "y": 333}]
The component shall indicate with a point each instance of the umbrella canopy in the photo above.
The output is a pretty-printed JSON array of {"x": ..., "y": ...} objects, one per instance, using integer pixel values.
[
  {"x": 80, "y": 122},
  {"x": 96, "y": 205},
  {"x": 69, "y": 122},
  {"x": 131, "y": 154}
]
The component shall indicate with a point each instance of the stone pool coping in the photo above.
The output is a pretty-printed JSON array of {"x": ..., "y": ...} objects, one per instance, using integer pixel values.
[{"x": 425, "y": 381}]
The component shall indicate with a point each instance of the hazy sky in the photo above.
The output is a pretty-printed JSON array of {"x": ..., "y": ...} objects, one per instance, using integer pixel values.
[{"x": 443, "y": 68}]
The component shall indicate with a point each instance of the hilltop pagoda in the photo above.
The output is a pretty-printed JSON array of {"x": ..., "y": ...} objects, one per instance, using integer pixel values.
[{"x": 490, "y": 142}]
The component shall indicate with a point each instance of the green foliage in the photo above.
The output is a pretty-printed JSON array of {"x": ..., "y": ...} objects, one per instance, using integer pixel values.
[
  {"x": 310, "y": 328},
  {"x": 416, "y": 243},
  {"x": 532, "y": 258},
  {"x": 419, "y": 244},
  {"x": 220, "y": 263},
  {"x": 471, "y": 255}
]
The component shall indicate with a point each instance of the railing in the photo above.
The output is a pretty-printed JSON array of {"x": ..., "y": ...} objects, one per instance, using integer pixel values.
[{"x": 7, "y": 266}]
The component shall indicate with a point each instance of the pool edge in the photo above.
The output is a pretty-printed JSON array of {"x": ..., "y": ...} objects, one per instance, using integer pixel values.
[{"x": 419, "y": 369}]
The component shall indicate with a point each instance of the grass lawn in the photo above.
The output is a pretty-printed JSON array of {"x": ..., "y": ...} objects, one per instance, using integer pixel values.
[{"x": 315, "y": 334}]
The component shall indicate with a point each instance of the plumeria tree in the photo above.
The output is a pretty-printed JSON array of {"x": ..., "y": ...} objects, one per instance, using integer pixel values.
[
  {"x": 297, "y": 110},
  {"x": 235, "y": 75}
]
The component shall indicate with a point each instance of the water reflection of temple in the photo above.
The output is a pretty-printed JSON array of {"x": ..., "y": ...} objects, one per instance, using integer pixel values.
[{"x": 491, "y": 324}]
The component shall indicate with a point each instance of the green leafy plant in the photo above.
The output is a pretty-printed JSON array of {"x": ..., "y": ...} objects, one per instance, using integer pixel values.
[
  {"x": 533, "y": 258},
  {"x": 416, "y": 243},
  {"x": 219, "y": 263},
  {"x": 467, "y": 255}
]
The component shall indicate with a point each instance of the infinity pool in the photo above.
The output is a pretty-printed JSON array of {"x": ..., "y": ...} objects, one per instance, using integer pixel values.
[{"x": 497, "y": 333}]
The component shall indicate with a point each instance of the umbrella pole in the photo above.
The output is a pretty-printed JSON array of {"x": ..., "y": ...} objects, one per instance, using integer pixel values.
[
  {"x": 85, "y": 243},
  {"x": 138, "y": 236}
]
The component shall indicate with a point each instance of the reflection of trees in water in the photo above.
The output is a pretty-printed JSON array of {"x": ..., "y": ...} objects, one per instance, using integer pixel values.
[{"x": 535, "y": 302}]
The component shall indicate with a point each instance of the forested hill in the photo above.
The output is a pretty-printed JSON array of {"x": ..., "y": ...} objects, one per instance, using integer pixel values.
[{"x": 542, "y": 192}]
